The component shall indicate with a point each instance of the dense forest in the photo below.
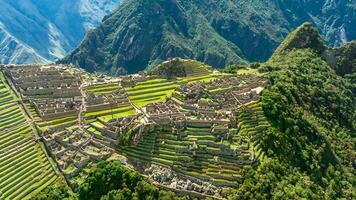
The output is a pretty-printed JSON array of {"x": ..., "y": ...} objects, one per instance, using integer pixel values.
[
  {"x": 109, "y": 180},
  {"x": 311, "y": 143},
  {"x": 310, "y": 146}
]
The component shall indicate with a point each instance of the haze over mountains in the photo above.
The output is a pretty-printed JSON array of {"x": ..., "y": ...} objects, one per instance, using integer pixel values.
[
  {"x": 142, "y": 33},
  {"x": 38, "y": 31}
]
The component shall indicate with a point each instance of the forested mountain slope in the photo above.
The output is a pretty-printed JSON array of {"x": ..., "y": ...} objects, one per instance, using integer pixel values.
[
  {"x": 312, "y": 110},
  {"x": 144, "y": 33}
]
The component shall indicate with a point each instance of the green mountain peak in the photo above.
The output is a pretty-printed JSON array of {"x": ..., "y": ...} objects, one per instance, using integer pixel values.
[{"x": 305, "y": 36}]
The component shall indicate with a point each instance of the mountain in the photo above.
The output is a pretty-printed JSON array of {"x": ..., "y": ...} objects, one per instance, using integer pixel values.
[
  {"x": 301, "y": 131},
  {"x": 341, "y": 59},
  {"x": 14, "y": 51},
  {"x": 311, "y": 107},
  {"x": 38, "y": 31},
  {"x": 141, "y": 33}
]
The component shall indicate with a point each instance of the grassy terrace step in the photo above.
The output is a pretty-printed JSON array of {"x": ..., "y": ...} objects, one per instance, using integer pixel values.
[
  {"x": 9, "y": 140},
  {"x": 131, "y": 155},
  {"x": 16, "y": 128},
  {"x": 25, "y": 183},
  {"x": 150, "y": 86},
  {"x": 151, "y": 82},
  {"x": 201, "y": 137},
  {"x": 12, "y": 123},
  {"x": 26, "y": 168},
  {"x": 4, "y": 93},
  {"x": 167, "y": 151},
  {"x": 108, "y": 112},
  {"x": 45, "y": 181},
  {"x": 9, "y": 148},
  {"x": 67, "y": 123},
  {"x": 20, "y": 144},
  {"x": 16, "y": 165},
  {"x": 102, "y": 85},
  {"x": 56, "y": 121},
  {"x": 19, "y": 130},
  {"x": 129, "y": 112},
  {"x": 174, "y": 142},
  {"x": 15, "y": 173},
  {"x": 147, "y": 143},
  {"x": 7, "y": 104},
  {"x": 162, "y": 161},
  {"x": 13, "y": 156},
  {"x": 144, "y": 148},
  {"x": 20, "y": 156},
  {"x": 13, "y": 129},
  {"x": 9, "y": 116},
  {"x": 6, "y": 100},
  {"x": 152, "y": 90},
  {"x": 9, "y": 112},
  {"x": 151, "y": 95}
]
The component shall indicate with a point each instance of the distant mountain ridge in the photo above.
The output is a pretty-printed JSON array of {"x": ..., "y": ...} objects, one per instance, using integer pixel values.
[
  {"x": 38, "y": 31},
  {"x": 142, "y": 33}
]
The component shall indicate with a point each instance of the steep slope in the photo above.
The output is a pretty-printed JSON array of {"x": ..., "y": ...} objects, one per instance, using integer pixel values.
[
  {"x": 14, "y": 51},
  {"x": 142, "y": 34},
  {"x": 48, "y": 28},
  {"x": 341, "y": 59},
  {"x": 312, "y": 110}
]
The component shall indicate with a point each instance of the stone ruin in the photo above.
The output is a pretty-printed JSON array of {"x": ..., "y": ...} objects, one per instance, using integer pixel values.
[
  {"x": 49, "y": 108},
  {"x": 165, "y": 176},
  {"x": 74, "y": 149},
  {"x": 96, "y": 102},
  {"x": 226, "y": 93},
  {"x": 52, "y": 90}
]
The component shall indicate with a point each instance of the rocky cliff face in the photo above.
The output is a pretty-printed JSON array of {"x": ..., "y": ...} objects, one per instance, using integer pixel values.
[
  {"x": 143, "y": 33},
  {"x": 35, "y": 31}
]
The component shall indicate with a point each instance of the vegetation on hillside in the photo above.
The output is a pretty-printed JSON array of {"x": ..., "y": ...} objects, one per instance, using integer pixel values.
[
  {"x": 109, "y": 180},
  {"x": 310, "y": 146},
  {"x": 143, "y": 33},
  {"x": 179, "y": 68}
]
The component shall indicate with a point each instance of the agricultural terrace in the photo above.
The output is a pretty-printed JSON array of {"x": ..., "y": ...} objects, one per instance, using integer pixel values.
[
  {"x": 198, "y": 153},
  {"x": 208, "y": 130},
  {"x": 104, "y": 102},
  {"x": 159, "y": 90},
  {"x": 24, "y": 167},
  {"x": 51, "y": 93},
  {"x": 151, "y": 91}
]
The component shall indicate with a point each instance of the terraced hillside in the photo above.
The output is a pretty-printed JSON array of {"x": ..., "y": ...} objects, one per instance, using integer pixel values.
[
  {"x": 24, "y": 167},
  {"x": 200, "y": 126},
  {"x": 116, "y": 106},
  {"x": 197, "y": 153},
  {"x": 151, "y": 91}
]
